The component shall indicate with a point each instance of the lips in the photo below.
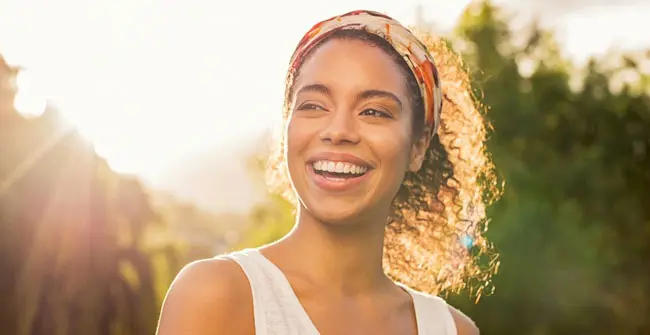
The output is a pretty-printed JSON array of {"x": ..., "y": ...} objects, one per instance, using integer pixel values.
[{"x": 338, "y": 172}]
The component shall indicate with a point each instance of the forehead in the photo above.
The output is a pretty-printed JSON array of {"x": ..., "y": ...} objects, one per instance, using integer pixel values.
[{"x": 349, "y": 64}]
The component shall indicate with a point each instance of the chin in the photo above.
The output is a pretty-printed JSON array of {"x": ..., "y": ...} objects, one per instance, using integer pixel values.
[{"x": 337, "y": 211}]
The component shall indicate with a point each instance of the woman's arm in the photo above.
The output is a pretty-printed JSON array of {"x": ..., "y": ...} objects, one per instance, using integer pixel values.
[{"x": 211, "y": 296}]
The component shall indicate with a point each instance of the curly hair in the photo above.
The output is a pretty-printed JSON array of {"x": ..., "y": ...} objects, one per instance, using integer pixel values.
[{"x": 434, "y": 238}]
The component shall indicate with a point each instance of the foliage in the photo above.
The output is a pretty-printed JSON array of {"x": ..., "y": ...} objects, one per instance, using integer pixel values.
[{"x": 572, "y": 228}]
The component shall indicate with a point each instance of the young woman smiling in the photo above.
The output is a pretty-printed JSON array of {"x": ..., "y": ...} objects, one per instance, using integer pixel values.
[{"x": 383, "y": 153}]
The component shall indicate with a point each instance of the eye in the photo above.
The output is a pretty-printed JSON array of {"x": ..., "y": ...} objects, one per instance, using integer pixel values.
[
  {"x": 310, "y": 107},
  {"x": 375, "y": 113}
]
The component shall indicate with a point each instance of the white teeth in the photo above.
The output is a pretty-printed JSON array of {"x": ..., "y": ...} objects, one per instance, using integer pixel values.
[{"x": 339, "y": 167}]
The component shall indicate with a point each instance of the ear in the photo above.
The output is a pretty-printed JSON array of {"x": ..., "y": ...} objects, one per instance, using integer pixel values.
[{"x": 418, "y": 151}]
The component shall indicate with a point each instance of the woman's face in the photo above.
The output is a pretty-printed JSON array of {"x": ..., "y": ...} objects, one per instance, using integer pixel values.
[{"x": 349, "y": 137}]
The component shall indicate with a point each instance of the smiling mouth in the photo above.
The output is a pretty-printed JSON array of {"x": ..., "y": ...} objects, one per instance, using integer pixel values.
[{"x": 339, "y": 170}]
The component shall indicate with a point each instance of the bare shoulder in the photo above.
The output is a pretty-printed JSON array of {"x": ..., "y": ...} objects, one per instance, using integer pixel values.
[
  {"x": 464, "y": 325},
  {"x": 210, "y": 296}
]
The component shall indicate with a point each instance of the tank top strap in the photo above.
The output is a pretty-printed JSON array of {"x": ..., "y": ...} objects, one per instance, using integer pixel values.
[
  {"x": 276, "y": 308},
  {"x": 432, "y": 314}
]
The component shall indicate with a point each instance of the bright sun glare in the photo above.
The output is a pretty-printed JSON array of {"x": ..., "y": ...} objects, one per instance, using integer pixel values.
[{"x": 29, "y": 101}]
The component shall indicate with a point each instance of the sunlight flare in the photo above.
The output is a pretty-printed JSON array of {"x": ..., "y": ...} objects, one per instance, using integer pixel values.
[{"x": 29, "y": 102}]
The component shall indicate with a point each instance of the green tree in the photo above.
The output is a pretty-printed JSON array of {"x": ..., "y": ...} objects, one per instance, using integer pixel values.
[{"x": 572, "y": 225}]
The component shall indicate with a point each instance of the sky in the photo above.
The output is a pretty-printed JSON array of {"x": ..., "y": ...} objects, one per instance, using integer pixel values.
[{"x": 153, "y": 82}]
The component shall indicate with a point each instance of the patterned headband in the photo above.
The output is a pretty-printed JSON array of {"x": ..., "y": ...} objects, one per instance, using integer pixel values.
[{"x": 412, "y": 50}]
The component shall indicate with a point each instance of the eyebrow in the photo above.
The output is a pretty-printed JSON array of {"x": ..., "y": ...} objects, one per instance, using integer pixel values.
[
  {"x": 367, "y": 94},
  {"x": 318, "y": 88},
  {"x": 379, "y": 94}
]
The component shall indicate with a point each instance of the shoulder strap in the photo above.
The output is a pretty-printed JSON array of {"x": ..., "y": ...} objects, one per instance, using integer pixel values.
[
  {"x": 277, "y": 309},
  {"x": 256, "y": 279},
  {"x": 432, "y": 314}
]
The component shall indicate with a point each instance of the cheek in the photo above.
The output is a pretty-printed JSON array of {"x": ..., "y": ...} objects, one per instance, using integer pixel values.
[
  {"x": 398, "y": 152},
  {"x": 399, "y": 142},
  {"x": 297, "y": 139},
  {"x": 394, "y": 150}
]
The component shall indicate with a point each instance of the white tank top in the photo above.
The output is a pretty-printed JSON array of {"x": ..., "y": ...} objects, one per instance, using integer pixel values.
[{"x": 277, "y": 310}]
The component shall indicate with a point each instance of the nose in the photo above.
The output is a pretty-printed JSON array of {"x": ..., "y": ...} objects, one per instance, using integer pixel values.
[{"x": 340, "y": 129}]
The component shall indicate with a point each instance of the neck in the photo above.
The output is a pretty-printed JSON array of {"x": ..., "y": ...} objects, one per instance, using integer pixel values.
[{"x": 345, "y": 256}]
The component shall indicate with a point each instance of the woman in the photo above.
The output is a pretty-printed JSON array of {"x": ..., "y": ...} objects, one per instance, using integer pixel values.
[{"x": 386, "y": 178}]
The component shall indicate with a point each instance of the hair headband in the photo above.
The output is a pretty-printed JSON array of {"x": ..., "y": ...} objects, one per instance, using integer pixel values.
[{"x": 412, "y": 50}]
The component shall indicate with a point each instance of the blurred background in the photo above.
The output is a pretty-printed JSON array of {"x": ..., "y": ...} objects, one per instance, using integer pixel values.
[{"x": 131, "y": 132}]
